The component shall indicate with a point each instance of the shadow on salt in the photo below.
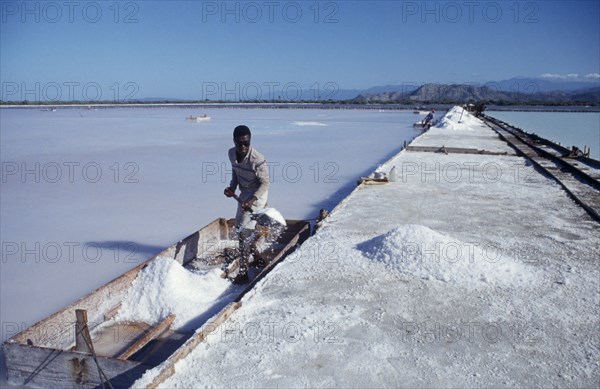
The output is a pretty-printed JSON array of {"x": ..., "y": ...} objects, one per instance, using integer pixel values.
[{"x": 419, "y": 251}]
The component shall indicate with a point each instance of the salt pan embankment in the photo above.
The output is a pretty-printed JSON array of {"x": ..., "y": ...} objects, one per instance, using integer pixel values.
[{"x": 471, "y": 270}]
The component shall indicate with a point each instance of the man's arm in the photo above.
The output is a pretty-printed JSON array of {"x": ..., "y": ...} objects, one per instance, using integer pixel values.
[
  {"x": 262, "y": 173},
  {"x": 233, "y": 184}
]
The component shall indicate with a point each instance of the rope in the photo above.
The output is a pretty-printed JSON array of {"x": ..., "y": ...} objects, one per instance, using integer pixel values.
[
  {"x": 52, "y": 357},
  {"x": 101, "y": 373},
  {"x": 42, "y": 365}
]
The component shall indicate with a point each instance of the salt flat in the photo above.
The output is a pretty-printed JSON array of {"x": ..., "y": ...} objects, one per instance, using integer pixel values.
[{"x": 468, "y": 271}]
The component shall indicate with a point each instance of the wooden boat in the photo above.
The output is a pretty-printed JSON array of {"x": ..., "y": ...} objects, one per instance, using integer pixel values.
[
  {"x": 81, "y": 346},
  {"x": 419, "y": 125},
  {"x": 202, "y": 118}
]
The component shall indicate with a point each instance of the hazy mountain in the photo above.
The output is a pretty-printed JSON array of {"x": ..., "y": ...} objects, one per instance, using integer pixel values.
[
  {"x": 544, "y": 84},
  {"x": 592, "y": 94},
  {"x": 456, "y": 93}
]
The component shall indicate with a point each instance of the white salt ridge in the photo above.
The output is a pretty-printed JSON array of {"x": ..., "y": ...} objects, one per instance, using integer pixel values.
[
  {"x": 419, "y": 251},
  {"x": 459, "y": 119},
  {"x": 166, "y": 287},
  {"x": 459, "y": 128}
]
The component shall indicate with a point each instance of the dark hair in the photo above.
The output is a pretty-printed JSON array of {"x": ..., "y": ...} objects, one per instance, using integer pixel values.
[{"x": 241, "y": 131}]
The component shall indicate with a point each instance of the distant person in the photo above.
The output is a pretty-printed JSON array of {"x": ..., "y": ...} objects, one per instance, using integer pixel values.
[
  {"x": 479, "y": 108},
  {"x": 574, "y": 153},
  {"x": 251, "y": 174},
  {"x": 427, "y": 122}
]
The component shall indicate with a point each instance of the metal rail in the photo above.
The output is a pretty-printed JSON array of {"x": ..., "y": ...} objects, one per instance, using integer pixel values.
[{"x": 582, "y": 186}]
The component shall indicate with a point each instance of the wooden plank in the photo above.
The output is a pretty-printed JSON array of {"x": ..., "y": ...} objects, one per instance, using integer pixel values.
[
  {"x": 50, "y": 368},
  {"x": 113, "y": 311},
  {"x": 453, "y": 150},
  {"x": 83, "y": 340},
  {"x": 189, "y": 248},
  {"x": 372, "y": 181},
  {"x": 168, "y": 367},
  {"x": 114, "y": 339},
  {"x": 150, "y": 335}
]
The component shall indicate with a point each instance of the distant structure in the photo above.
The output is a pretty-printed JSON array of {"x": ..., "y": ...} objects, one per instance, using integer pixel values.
[{"x": 476, "y": 109}]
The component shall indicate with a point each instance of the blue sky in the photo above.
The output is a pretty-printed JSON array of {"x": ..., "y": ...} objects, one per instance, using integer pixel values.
[{"x": 211, "y": 49}]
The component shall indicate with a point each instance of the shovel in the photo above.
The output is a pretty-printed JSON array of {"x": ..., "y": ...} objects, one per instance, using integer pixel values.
[{"x": 263, "y": 218}]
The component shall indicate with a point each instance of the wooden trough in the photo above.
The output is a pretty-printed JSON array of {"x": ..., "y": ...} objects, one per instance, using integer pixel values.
[{"x": 80, "y": 347}]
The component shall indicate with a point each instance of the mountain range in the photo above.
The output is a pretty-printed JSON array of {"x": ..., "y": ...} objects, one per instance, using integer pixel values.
[
  {"x": 517, "y": 88},
  {"x": 457, "y": 93}
]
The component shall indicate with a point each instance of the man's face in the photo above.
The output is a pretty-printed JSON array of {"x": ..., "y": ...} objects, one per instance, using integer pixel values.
[{"x": 242, "y": 144}]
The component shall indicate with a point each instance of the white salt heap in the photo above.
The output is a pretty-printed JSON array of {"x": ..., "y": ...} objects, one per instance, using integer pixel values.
[
  {"x": 417, "y": 250},
  {"x": 457, "y": 119},
  {"x": 273, "y": 214},
  {"x": 458, "y": 128},
  {"x": 165, "y": 287}
]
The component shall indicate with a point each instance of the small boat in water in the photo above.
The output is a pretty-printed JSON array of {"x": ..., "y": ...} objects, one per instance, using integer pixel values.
[
  {"x": 421, "y": 126},
  {"x": 202, "y": 118}
]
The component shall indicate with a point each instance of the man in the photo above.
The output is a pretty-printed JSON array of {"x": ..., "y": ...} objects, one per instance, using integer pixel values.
[
  {"x": 251, "y": 174},
  {"x": 427, "y": 121}
]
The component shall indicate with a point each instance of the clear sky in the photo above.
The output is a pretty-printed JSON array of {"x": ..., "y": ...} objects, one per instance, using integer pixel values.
[{"x": 212, "y": 49}]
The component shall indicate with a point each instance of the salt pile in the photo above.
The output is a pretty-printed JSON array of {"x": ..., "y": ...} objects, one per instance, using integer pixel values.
[
  {"x": 271, "y": 213},
  {"x": 459, "y": 119},
  {"x": 165, "y": 287},
  {"x": 422, "y": 252}
]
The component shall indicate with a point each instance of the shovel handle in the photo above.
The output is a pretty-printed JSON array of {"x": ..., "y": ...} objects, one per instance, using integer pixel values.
[{"x": 237, "y": 198}]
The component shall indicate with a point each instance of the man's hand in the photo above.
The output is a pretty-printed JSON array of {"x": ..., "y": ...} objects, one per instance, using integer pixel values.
[
  {"x": 247, "y": 205},
  {"x": 229, "y": 192}
]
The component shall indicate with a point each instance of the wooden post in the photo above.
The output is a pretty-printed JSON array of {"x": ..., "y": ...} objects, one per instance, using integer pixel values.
[{"x": 82, "y": 333}]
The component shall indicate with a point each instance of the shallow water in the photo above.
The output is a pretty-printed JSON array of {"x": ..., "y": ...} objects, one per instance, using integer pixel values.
[
  {"x": 89, "y": 194},
  {"x": 569, "y": 128}
]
